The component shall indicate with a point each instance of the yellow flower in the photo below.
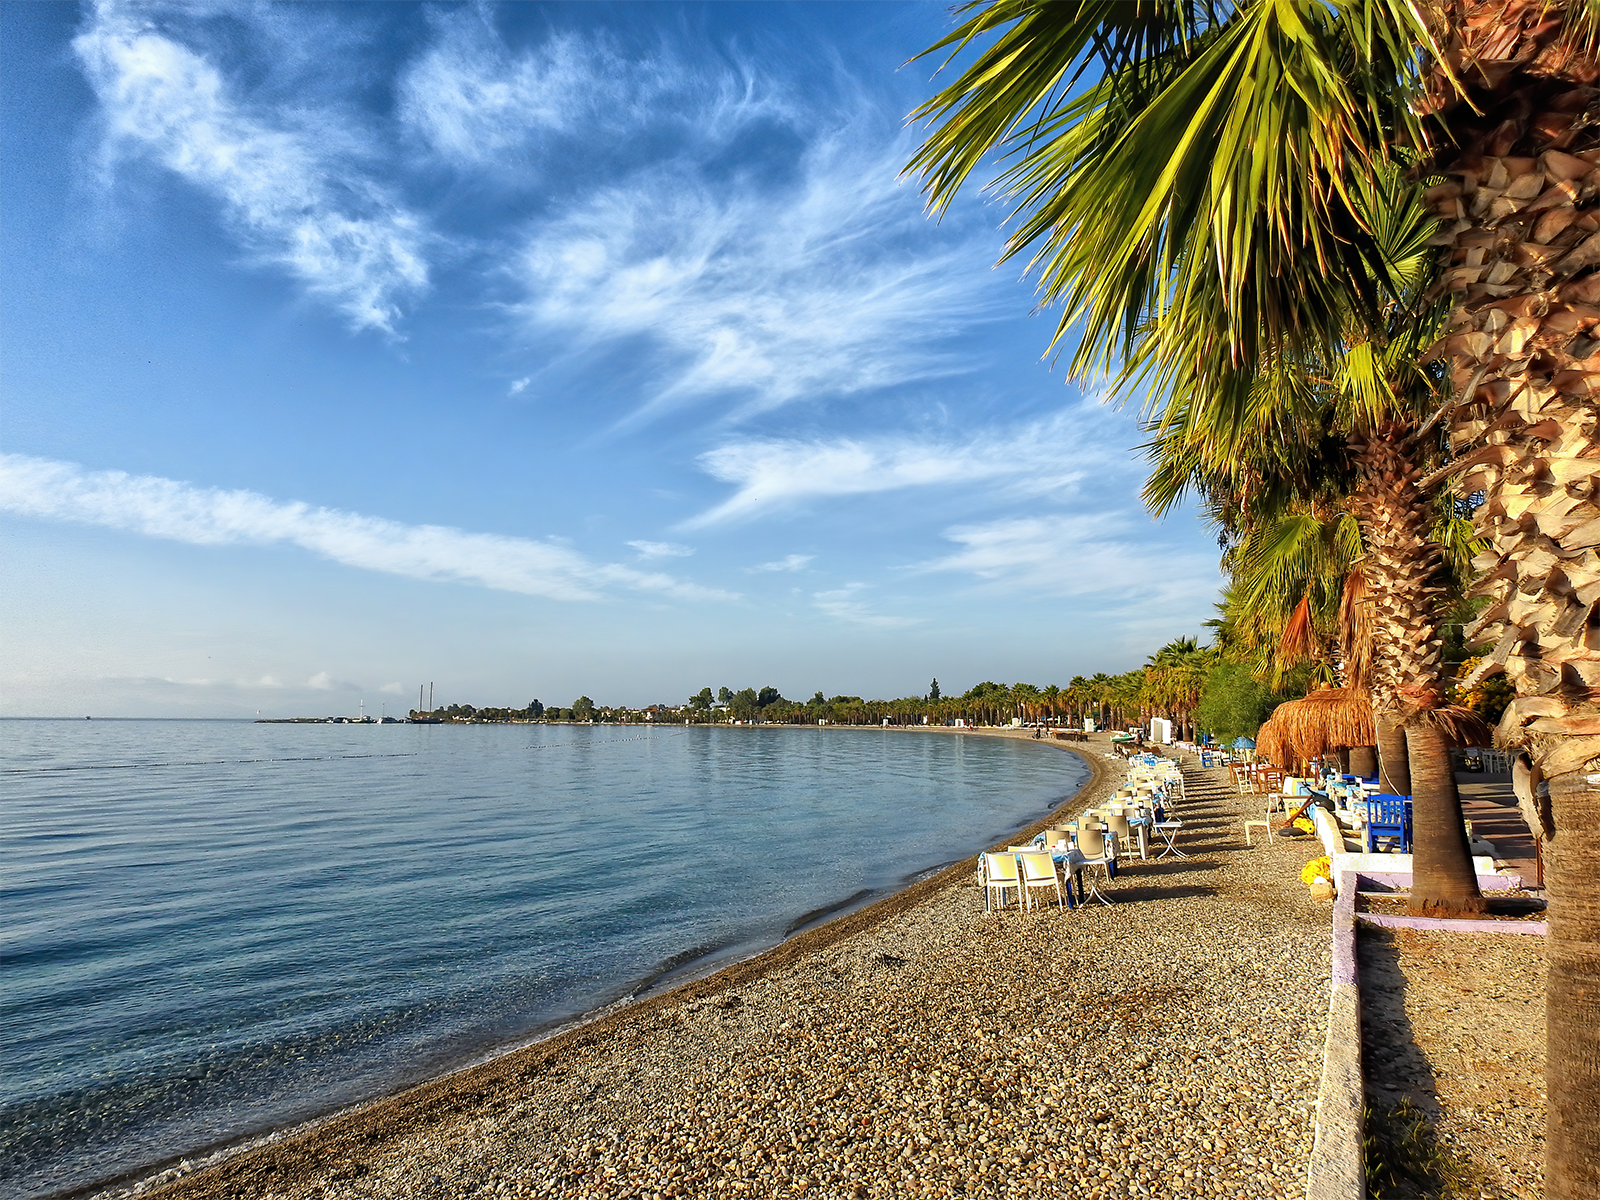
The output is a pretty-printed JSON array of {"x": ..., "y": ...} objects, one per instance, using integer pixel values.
[{"x": 1317, "y": 867}]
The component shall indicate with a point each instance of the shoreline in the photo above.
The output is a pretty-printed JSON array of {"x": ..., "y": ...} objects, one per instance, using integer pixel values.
[
  {"x": 813, "y": 931},
  {"x": 1169, "y": 1043}
]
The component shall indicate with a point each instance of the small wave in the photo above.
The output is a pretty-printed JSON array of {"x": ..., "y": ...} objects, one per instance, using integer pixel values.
[
  {"x": 207, "y": 762},
  {"x": 676, "y": 962},
  {"x": 816, "y": 914}
]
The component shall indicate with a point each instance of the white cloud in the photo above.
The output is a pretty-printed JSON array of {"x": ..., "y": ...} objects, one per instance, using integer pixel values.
[
  {"x": 1075, "y": 555},
  {"x": 322, "y": 681},
  {"x": 1037, "y": 458},
  {"x": 284, "y": 179},
  {"x": 392, "y": 689},
  {"x": 182, "y": 512},
  {"x": 842, "y": 604},
  {"x": 518, "y": 386},
  {"x": 471, "y": 101},
  {"x": 833, "y": 286},
  {"x": 477, "y": 104},
  {"x": 790, "y": 562},
  {"x": 662, "y": 549}
]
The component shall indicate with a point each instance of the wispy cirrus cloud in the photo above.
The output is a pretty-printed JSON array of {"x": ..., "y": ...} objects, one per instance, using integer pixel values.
[
  {"x": 1041, "y": 457},
  {"x": 828, "y": 285},
  {"x": 845, "y": 604},
  {"x": 662, "y": 549},
  {"x": 1080, "y": 555},
  {"x": 470, "y": 100},
  {"x": 477, "y": 104},
  {"x": 286, "y": 179},
  {"x": 789, "y": 562},
  {"x": 165, "y": 508}
]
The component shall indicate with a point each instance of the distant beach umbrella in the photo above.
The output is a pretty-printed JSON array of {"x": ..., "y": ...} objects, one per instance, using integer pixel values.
[{"x": 1243, "y": 743}]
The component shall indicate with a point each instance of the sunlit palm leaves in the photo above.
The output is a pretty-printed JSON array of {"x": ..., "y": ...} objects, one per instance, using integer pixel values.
[{"x": 1198, "y": 175}]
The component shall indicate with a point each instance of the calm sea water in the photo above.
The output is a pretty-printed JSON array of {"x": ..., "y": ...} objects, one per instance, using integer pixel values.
[{"x": 212, "y": 929}]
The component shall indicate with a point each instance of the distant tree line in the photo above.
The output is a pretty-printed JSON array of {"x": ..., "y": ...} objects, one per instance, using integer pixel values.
[
  {"x": 1102, "y": 698},
  {"x": 1201, "y": 689}
]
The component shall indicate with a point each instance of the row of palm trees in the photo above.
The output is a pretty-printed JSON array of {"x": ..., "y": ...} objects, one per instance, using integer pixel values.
[
  {"x": 1346, "y": 250},
  {"x": 1113, "y": 700}
]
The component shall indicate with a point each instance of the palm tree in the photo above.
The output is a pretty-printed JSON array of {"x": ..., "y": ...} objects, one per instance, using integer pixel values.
[
  {"x": 1342, "y": 424},
  {"x": 1175, "y": 676},
  {"x": 1077, "y": 695},
  {"x": 1052, "y": 701},
  {"x": 1228, "y": 133},
  {"x": 1100, "y": 687}
]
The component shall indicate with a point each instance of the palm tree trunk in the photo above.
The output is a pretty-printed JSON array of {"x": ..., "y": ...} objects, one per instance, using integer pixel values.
[
  {"x": 1436, "y": 807},
  {"x": 1403, "y": 572},
  {"x": 1522, "y": 217},
  {"x": 1572, "y": 998},
  {"x": 1362, "y": 761},
  {"x": 1394, "y": 764}
]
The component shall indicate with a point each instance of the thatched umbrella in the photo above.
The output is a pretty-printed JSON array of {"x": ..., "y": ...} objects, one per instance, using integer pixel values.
[
  {"x": 1330, "y": 718},
  {"x": 1270, "y": 744},
  {"x": 1326, "y": 719}
]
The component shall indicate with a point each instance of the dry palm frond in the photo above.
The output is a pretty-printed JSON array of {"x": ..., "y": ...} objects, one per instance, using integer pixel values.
[
  {"x": 1299, "y": 639},
  {"x": 1461, "y": 726},
  {"x": 1355, "y": 630}
]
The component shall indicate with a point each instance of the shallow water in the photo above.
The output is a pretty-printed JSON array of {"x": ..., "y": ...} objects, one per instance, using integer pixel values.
[{"x": 212, "y": 929}]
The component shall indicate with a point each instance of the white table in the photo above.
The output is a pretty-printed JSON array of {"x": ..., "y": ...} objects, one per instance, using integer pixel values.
[{"x": 1168, "y": 831}]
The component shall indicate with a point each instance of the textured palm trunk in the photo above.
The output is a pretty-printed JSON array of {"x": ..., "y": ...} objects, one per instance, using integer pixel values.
[
  {"x": 1394, "y": 769},
  {"x": 1362, "y": 760},
  {"x": 1436, "y": 807},
  {"x": 1523, "y": 238},
  {"x": 1404, "y": 579}
]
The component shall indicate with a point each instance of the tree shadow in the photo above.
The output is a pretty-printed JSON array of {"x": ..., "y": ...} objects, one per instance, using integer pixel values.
[
  {"x": 1182, "y": 891},
  {"x": 1394, "y": 1065},
  {"x": 1171, "y": 866}
]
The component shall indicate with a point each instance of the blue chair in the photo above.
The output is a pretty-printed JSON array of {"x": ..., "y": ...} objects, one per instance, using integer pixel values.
[{"x": 1389, "y": 819}]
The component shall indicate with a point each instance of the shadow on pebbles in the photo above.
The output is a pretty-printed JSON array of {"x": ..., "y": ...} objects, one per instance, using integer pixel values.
[{"x": 1455, "y": 1023}]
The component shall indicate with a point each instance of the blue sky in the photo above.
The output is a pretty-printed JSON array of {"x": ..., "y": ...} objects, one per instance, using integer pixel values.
[{"x": 533, "y": 351}]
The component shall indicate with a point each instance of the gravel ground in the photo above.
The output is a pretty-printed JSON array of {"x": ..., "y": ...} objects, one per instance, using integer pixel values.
[
  {"x": 1168, "y": 1045},
  {"x": 1456, "y": 1022}
]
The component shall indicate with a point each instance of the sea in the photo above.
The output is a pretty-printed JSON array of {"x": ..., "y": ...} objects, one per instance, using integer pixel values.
[{"x": 215, "y": 929}]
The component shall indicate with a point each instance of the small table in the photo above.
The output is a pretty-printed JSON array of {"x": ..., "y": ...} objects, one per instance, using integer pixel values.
[
  {"x": 1168, "y": 831},
  {"x": 1078, "y": 865}
]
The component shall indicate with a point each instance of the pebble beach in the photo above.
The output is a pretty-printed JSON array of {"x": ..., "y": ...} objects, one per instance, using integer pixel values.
[{"x": 1166, "y": 1045}]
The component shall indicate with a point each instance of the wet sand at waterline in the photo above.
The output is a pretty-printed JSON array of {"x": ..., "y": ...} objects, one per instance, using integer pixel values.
[{"x": 1167, "y": 1045}]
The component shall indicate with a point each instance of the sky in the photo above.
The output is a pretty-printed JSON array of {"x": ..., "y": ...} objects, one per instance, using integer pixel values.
[{"x": 531, "y": 351}]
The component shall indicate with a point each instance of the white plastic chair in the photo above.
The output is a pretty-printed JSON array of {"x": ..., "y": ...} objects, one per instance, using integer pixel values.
[
  {"x": 1039, "y": 871},
  {"x": 1081, "y": 864},
  {"x": 1000, "y": 874}
]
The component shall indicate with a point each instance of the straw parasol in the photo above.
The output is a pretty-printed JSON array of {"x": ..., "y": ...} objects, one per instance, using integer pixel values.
[
  {"x": 1326, "y": 719},
  {"x": 1270, "y": 744},
  {"x": 1331, "y": 717}
]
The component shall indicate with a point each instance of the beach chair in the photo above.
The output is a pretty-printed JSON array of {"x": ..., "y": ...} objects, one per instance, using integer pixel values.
[
  {"x": 1117, "y": 823},
  {"x": 1272, "y": 788},
  {"x": 1388, "y": 819},
  {"x": 1264, "y": 822},
  {"x": 1091, "y": 833},
  {"x": 1000, "y": 874},
  {"x": 1039, "y": 871}
]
